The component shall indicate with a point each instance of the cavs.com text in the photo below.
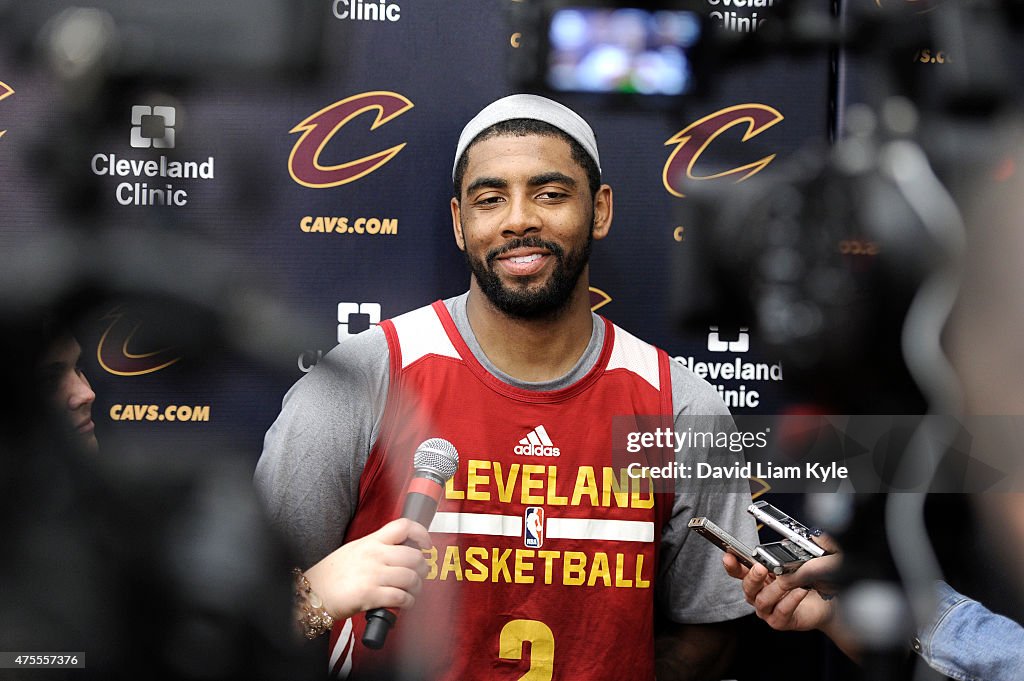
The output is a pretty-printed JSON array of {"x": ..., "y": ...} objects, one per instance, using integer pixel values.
[{"x": 154, "y": 412}]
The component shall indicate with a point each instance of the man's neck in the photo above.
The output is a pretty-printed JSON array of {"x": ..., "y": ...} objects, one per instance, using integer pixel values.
[{"x": 532, "y": 350}]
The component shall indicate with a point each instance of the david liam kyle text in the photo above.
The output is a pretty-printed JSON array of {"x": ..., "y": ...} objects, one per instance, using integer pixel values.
[{"x": 763, "y": 470}]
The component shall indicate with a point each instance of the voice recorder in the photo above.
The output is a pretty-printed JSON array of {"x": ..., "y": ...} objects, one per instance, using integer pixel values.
[{"x": 780, "y": 557}]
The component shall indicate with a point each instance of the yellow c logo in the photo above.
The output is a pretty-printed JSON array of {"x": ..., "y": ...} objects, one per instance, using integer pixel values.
[
  {"x": 598, "y": 299},
  {"x": 5, "y": 92},
  {"x": 318, "y": 129},
  {"x": 695, "y": 138},
  {"x": 114, "y": 356}
]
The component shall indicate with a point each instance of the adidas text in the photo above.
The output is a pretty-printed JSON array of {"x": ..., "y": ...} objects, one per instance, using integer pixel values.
[{"x": 536, "y": 450}]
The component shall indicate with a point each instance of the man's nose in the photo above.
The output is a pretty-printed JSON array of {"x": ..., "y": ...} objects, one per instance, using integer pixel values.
[
  {"x": 81, "y": 392},
  {"x": 522, "y": 218}
]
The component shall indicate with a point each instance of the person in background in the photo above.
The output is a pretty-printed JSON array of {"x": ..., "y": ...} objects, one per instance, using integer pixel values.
[{"x": 63, "y": 380}]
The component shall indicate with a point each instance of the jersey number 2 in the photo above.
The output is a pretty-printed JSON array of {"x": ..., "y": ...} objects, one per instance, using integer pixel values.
[{"x": 542, "y": 648}]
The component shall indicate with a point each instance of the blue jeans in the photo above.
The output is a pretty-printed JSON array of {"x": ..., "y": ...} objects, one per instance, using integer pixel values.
[{"x": 968, "y": 642}]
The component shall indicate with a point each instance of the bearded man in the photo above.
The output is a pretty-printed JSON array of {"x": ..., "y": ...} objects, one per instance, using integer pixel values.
[{"x": 538, "y": 540}]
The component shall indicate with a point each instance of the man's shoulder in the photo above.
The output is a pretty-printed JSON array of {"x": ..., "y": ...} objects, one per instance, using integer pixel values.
[
  {"x": 691, "y": 394},
  {"x": 422, "y": 332},
  {"x": 634, "y": 354},
  {"x": 422, "y": 314},
  {"x": 356, "y": 368},
  {"x": 365, "y": 352}
]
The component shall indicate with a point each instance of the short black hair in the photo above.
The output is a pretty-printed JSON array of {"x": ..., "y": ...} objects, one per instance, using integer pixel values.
[{"x": 521, "y": 127}]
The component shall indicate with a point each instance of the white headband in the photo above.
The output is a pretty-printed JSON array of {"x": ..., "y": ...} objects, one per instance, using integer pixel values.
[{"x": 535, "y": 108}]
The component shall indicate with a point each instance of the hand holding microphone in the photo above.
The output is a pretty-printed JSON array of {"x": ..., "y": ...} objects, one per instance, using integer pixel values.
[
  {"x": 384, "y": 568},
  {"x": 434, "y": 463}
]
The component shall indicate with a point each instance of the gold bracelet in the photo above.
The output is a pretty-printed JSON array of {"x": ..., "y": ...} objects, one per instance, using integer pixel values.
[{"x": 313, "y": 619}]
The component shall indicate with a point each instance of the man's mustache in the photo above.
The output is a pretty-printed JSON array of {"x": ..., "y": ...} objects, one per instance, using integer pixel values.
[{"x": 525, "y": 242}]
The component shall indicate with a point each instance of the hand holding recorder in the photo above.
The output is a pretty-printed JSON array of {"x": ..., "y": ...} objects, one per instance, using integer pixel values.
[
  {"x": 787, "y": 602},
  {"x": 800, "y": 600},
  {"x": 798, "y": 546},
  {"x": 785, "y": 581}
]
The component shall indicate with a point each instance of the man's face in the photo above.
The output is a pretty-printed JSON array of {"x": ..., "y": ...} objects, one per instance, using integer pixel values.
[
  {"x": 69, "y": 390},
  {"x": 526, "y": 221}
]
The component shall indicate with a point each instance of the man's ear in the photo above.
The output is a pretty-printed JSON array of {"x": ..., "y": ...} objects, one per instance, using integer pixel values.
[
  {"x": 460, "y": 240},
  {"x": 602, "y": 212}
]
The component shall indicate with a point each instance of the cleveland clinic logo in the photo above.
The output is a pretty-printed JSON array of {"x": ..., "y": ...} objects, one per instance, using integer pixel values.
[
  {"x": 745, "y": 377},
  {"x": 717, "y": 344},
  {"x": 354, "y": 318},
  {"x": 153, "y": 126},
  {"x": 150, "y": 180},
  {"x": 366, "y": 10}
]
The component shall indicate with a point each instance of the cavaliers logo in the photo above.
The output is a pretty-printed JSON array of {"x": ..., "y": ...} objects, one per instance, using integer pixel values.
[
  {"x": 598, "y": 299},
  {"x": 304, "y": 163},
  {"x": 5, "y": 92},
  {"x": 115, "y": 357},
  {"x": 694, "y": 139}
]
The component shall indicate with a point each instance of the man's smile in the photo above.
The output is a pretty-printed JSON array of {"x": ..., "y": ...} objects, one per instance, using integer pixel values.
[{"x": 523, "y": 262}]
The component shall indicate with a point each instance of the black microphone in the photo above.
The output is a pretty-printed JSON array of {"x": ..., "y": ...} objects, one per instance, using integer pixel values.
[{"x": 434, "y": 463}]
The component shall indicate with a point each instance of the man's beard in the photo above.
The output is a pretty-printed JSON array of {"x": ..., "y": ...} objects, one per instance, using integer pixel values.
[{"x": 522, "y": 302}]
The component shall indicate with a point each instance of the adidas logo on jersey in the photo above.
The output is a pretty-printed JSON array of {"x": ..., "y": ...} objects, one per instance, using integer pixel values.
[{"x": 537, "y": 443}]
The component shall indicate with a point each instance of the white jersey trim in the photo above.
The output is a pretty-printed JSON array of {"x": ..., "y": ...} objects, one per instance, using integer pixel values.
[
  {"x": 345, "y": 644},
  {"x": 420, "y": 333},
  {"x": 634, "y": 355}
]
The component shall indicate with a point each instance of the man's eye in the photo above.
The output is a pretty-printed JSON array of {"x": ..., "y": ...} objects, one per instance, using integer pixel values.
[{"x": 488, "y": 200}]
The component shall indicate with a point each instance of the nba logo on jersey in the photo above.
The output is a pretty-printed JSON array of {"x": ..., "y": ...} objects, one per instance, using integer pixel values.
[{"x": 533, "y": 527}]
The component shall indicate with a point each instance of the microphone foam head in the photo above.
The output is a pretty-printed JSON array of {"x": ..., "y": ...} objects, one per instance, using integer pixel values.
[{"x": 438, "y": 457}]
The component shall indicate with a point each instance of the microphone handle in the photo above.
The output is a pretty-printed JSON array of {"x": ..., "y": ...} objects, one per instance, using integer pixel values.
[{"x": 421, "y": 508}]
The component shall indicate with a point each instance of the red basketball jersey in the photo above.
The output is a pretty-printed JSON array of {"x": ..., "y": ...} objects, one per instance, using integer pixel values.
[{"x": 545, "y": 554}]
